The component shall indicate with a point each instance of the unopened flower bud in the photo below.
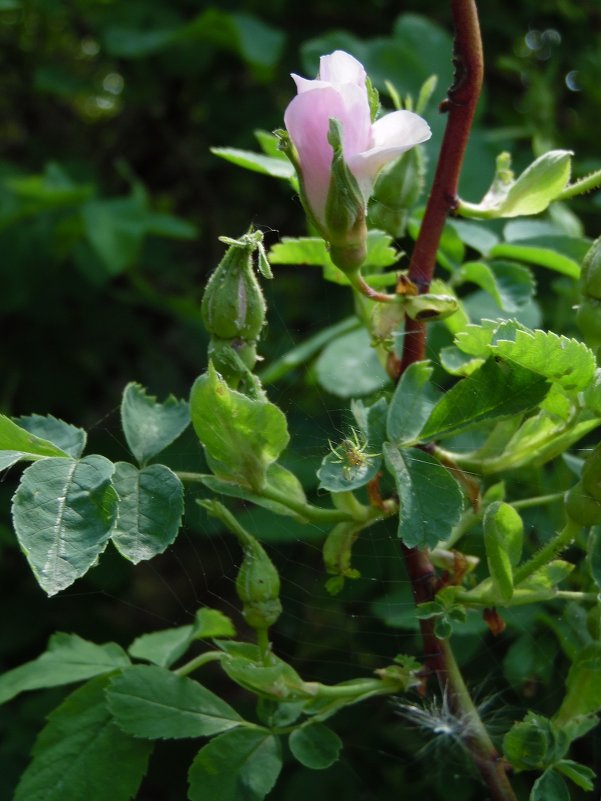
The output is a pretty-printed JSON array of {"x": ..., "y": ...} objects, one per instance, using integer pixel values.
[
  {"x": 590, "y": 277},
  {"x": 591, "y": 473},
  {"x": 588, "y": 316},
  {"x": 397, "y": 189},
  {"x": 258, "y": 586},
  {"x": 233, "y": 306}
]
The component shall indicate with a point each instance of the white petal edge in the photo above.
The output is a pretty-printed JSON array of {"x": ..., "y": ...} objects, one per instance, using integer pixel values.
[
  {"x": 400, "y": 127},
  {"x": 340, "y": 67}
]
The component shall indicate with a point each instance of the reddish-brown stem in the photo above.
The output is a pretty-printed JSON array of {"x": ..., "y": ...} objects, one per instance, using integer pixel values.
[{"x": 460, "y": 105}]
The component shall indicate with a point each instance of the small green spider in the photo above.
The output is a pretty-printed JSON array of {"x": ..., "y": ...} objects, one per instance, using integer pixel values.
[{"x": 352, "y": 453}]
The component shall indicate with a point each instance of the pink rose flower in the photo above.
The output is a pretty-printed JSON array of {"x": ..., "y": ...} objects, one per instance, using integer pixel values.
[{"x": 340, "y": 92}]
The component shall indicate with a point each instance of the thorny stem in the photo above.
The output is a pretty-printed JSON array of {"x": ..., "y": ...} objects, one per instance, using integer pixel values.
[{"x": 460, "y": 104}]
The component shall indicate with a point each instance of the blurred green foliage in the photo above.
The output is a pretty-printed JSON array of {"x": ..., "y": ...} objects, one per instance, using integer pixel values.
[{"x": 110, "y": 208}]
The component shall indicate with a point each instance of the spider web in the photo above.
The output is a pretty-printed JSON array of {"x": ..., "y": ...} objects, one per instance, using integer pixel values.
[{"x": 325, "y": 638}]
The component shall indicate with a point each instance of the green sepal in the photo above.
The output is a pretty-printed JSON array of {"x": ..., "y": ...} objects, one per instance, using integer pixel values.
[
  {"x": 344, "y": 218},
  {"x": 242, "y": 436},
  {"x": 397, "y": 189}
]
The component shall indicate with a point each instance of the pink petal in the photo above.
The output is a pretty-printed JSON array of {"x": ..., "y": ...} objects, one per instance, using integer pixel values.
[
  {"x": 307, "y": 120},
  {"x": 391, "y": 135},
  {"x": 340, "y": 67},
  {"x": 305, "y": 85}
]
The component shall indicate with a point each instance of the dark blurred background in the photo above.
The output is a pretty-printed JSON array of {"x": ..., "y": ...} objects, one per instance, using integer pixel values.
[{"x": 111, "y": 204}]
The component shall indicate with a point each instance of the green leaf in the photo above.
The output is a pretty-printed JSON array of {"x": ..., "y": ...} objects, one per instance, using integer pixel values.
[
  {"x": 548, "y": 576},
  {"x": 563, "y": 254},
  {"x": 162, "y": 648},
  {"x": 167, "y": 225},
  {"x": 69, "y": 439},
  {"x": 494, "y": 391},
  {"x": 278, "y": 478},
  {"x": 565, "y": 361},
  {"x": 150, "y": 701},
  {"x": 530, "y": 659},
  {"x": 315, "y": 746},
  {"x": 550, "y": 787},
  {"x": 51, "y": 190},
  {"x": 534, "y": 743},
  {"x": 348, "y": 466},
  {"x": 256, "y": 162},
  {"x": 503, "y": 540},
  {"x": 150, "y": 426},
  {"x": 348, "y": 367},
  {"x": 510, "y": 285},
  {"x": 583, "y": 696},
  {"x": 81, "y": 753},
  {"x": 269, "y": 143},
  {"x": 594, "y": 554},
  {"x": 314, "y": 252},
  {"x": 212, "y": 623},
  {"x": 431, "y": 501},
  {"x": 538, "y": 185},
  {"x": 15, "y": 438},
  {"x": 456, "y": 362},
  {"x": 475, "y": 234},
  {"x": 411, "y": 404},
  {"x": 132, "y": 43},
  {"x": 581, "y": 775},
  {"x": 372, "y": 421},
  {"x": 115, "y": 228},
  {"x": 9, "y": 458},
  {"x": 63, "y": 513},
  {"x": 240, "y": 764},
  {"x": 68, "y": 659},
  {"x": 151, "y": 504},
  {"x": 475, "y": 340},
  {"x": 242, "y": 435}
]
